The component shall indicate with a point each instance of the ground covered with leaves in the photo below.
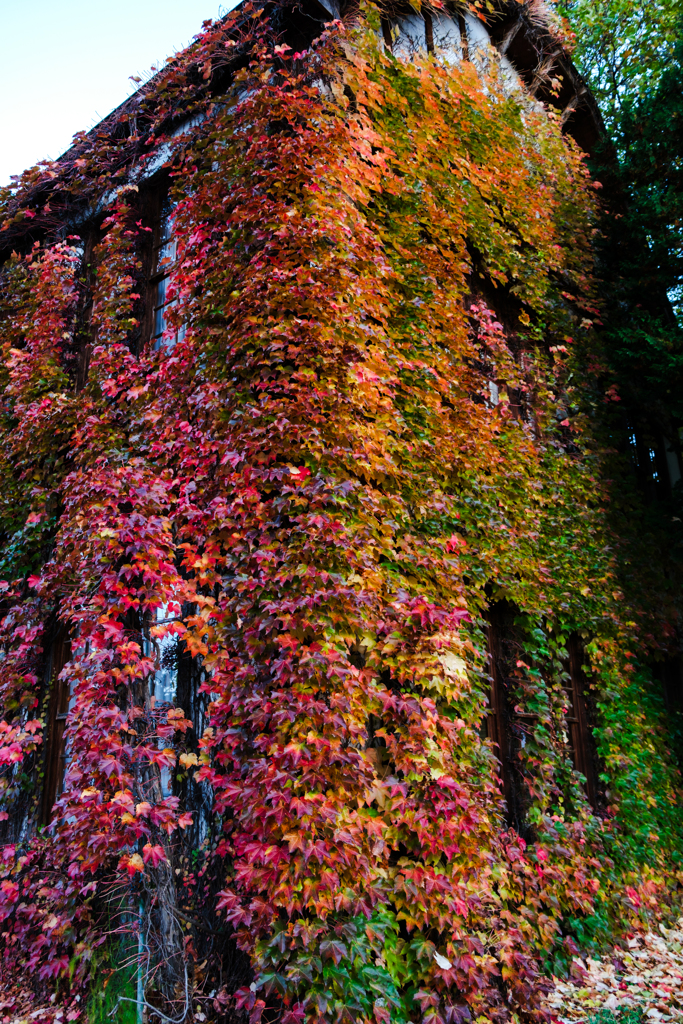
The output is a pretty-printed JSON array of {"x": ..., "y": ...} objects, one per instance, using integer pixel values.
[{"x": 643, "y": 980}]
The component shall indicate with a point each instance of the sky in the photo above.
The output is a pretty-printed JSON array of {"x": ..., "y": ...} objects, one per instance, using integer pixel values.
[{"x": 65, "y": 65}]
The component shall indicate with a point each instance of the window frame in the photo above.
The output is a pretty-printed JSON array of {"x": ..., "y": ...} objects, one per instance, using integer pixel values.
[
  {"x": 58, "y": 706},
  {"x": 580, "y": 735},
  {"x": 161, "y": 270},
  {"x": 504, "y": 726}
]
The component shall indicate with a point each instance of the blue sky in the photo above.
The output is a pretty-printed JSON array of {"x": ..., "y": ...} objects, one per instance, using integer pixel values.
[{"x": 65, "y": 65}]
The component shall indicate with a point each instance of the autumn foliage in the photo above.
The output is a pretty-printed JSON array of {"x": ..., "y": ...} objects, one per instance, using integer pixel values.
[{"x": 316, "y": 482}]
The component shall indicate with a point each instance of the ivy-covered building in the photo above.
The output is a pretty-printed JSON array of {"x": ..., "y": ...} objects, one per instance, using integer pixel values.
[{"x": 340, "y": 607}]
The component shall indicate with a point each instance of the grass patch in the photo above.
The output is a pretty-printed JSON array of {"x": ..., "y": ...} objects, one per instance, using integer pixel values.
[
  {"x": 114, "y": 976},
  {"x": 634, "y": 1016}
]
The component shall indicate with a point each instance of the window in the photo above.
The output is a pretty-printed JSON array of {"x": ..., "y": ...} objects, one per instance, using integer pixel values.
[
  {"x": 503, "y": 726},
  {"x": 508, "y": 726},
  {"x": 494, "y": 394},
  {"x": 580, "y": 737},
  {"x": 464, "y": 39},
  {"x": 163, "y": 261},
  {"x": 164, "y": 682},
  {"x": 429, "y": 30},
  {"x": 59, "y": 701},
  {"x": 495, "y": 725},
  {"x": 163, "y": 685}
]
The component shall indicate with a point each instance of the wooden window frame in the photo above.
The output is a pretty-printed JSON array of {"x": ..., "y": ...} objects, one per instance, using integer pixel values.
[
  {"x": 500, "y": 719},
  {"x": 429, "y": 30},
  {"x": 163, "y": 262},
  {"x": 580, "y": 735},
  {"x": 57, "y": 714},
  {"x": 387, "y": 34},
  {"x": 495, "y": 719}
]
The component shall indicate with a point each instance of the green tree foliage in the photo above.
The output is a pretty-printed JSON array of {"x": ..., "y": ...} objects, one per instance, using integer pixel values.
[
  {"x": 622, "y": 48},
  {"x": 642, "y": 249},
  {"x": 632, "y": 56}
]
